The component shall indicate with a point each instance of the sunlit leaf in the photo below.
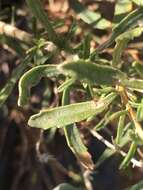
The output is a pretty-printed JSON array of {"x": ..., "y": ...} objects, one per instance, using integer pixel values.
[
  {"x": 122, "y": 7},
  {"x": 126, "y": 23},
  {"x": 134, "y": 84},
  {"x": 90, "y": 17},
  {"x": 59, "y": 117},
  {"x": 138, "y": 2},
  {"x": 122, "y": 41}
]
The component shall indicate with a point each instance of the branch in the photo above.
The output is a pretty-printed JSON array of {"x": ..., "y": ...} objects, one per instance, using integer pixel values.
[
  {"x": 13, "y": 32},
  {"x": 135, "y": 162}
]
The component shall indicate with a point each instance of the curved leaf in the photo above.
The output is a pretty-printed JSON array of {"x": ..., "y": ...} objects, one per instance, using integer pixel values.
[
  {"x": 31, "y": 78},
  {"x": 122, "y": 41},
  {"x": 59, "y": 117}
]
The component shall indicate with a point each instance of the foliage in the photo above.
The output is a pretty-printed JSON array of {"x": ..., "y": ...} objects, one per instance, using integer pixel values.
[{"x": 111, "y": 87}]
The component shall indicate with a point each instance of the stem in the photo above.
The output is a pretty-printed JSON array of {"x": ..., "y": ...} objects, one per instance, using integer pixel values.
[
  {"x": 131, "y": 113},
  {"x": 135, "y": 162}
]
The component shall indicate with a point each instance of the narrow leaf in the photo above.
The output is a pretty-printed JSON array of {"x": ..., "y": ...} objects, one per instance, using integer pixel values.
[
  {"x": 139, "y": 68},
  {"x": 89, "y": 17},
  {"x": 66, "y": 84},
  {"x": 140, "y": 112},
  {"x": 138, "y": 2},
  {"x": 7, "y": 89},
  {"x": 111, "y": 118},
  {"x": 105, "y": 155},
  {"x": 37, "y": 10},
  {"x": 129, "y": 21},
  {"x": 120, "y": 129},
  {"x": 122, "y": 41},
  {"x": 129, "y": 156},
  {"x": 59, "y": 117},
  {"x": 133, "y": 84},
  {"x": 74, "y": 140},
  {"x": 31, "y": 78}
]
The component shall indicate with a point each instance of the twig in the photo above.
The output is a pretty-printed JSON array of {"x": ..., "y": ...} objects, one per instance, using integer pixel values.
[
  {"x": 135, "y": 162},
  {"x": 86, "y": 178},
  {"x": 132, "y": 115},
  {"x": 14, "y": 32}
]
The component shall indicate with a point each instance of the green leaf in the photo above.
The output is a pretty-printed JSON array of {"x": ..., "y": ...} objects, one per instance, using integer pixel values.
[
  {"x": 133, "y": 84},
  {"x": 65, "y": 186},
  {"x": 59, "y": 117},
  {"x": 37, "y": 10},
  {"x": 122, "y": 41},
  {"x": 120, "y": 129},
  {"x": 140, "y": 112},
  {"x": 31, "y": 78},
  {"x": 16, "y": 73},
  {"x": 125, "y": 24},
  {"x": 91, "y": 73},
  {"x": 129, "y": 156},
  {"x": 85, "y": 47},
  {"x": 138, "y": 2},
  {"x": 111, "y": 118},
  {"x": 74, "y": 140},
  {"x": 138, "y": 186},
  {"x": 108, "y": 152},
  {"x": 122, "y": 7},
  {"x": 66, "y": 84},
  {"x": 105, "y": 155},
  {"x": 88, "y": 16},
  {"x": 139, "y": 68}
]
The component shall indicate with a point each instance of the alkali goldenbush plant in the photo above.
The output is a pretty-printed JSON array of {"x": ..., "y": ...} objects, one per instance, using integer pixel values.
[{"x": 118, "y": 89}]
